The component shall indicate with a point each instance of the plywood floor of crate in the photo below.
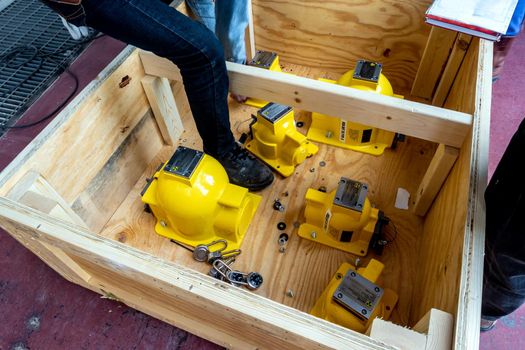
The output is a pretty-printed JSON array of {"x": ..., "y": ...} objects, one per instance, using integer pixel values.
[{"x": 305, "y": 267}]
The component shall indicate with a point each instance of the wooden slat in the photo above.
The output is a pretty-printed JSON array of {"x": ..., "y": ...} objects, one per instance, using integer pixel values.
[
  {"x": 438, "y": 326},
  {"x": 160, "y": 96},
  {"x": 459, "y": 50},
  {"x": 388, "y": 113},
  {"x": 434, "y": 59},
  {"x": 402, "y": 337},
  {"x": 436, "y": 174}
]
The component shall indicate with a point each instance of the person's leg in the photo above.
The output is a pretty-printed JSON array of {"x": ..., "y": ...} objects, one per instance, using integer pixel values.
[
  {"x": 504, "y": 271},
  {"x": 231, "y": 22},
  {"x": 204, "y": 11},
  {"x": 152, "y": 25}
]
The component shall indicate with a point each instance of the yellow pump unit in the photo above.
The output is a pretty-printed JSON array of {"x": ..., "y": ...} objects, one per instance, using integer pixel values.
[
  {"x": 352, "y": 299},
  {"x": 265, "y": 60},
  {"x": 344, "y": 219},
  {"x": 334, "y": 131},
  {"x": 276, "y": 141},
  {"x": 194, "y": 203}
]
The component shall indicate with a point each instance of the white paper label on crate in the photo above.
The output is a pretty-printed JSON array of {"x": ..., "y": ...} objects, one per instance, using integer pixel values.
[{"x": 402, "y": 198}]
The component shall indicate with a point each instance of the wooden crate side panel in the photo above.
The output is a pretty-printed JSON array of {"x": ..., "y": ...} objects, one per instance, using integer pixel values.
[
  {"x": 96, "y": 151},
  {"x": 87, "y": 134},
  {"x": 451, "y": 247},
  {"x": 230, "y": 316},
  {"x": 334, "y": 34}
]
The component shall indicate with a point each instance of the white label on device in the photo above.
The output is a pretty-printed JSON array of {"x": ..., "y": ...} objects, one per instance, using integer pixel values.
[{"x": 342, "y": 131}]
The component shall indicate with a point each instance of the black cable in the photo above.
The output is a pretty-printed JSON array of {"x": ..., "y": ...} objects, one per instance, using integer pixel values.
[
  {"x": 30, "y": 53},
  {"x": 395, "y": 232}
]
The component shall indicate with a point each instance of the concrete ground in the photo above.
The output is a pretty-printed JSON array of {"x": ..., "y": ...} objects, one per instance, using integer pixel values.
[{"x": 41, "y": 310}]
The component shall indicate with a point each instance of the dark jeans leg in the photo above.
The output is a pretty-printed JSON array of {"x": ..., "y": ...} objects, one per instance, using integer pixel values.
[
  {"x": 154, "y": 26},
  {"x": 504, "y": 272}
]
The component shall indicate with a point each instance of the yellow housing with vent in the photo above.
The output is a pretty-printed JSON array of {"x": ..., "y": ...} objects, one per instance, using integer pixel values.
[
  {"x": 277, "y": 142},
  {"x": 328, "y": 308},
  {"x": 343, "y": 219},
  {"x": 358, "y": 137},
  {"x": 194, "y": 203}
]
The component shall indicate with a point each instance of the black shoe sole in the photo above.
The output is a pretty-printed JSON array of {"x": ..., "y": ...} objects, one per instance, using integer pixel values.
[{"x": 257, "y": 187}]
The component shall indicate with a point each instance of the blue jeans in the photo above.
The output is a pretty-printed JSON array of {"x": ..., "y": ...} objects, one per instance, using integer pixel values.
[
  {"x": 504, "y": 273},
  {"x": 228, "y": 19},
  {"x": 154, "y": 26}
]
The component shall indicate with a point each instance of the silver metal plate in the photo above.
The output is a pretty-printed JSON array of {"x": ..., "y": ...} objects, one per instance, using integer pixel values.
[
  {"x": 274, "y": 111},
  {"x": 351, "y": 194},
  {"x": 358, "y": 295}
]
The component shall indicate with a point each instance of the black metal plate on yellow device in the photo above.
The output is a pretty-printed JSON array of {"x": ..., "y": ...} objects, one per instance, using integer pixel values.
[
  {"x": 358, "y": 295},
  {"x": 369, "y": 71},
  {"x": 263, "y": 59},
  {"x": 272, "y": 112},
  {"x": 184, "y": 162}
]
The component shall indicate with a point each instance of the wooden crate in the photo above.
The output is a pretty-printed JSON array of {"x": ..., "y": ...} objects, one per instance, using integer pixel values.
[{"x": 73, "y": 195}]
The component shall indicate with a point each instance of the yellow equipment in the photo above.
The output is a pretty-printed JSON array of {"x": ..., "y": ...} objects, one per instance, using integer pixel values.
[
  {"x": 276, "y": 141},
  {"x": 353, "y": 300},
  {"x": 194, "y": 203},
  {"x": 344, "y": 219},
  {"x": 266, "y": 60},
  {"x": 341, "y": 133}
]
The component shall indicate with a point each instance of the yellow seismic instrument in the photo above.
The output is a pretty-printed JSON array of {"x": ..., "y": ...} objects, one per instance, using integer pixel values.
[
  {"x": 344, "y": 219},
  {"x": 334, "y": 131},
  {"x": 276, "y": 141},
  {"x": 352, "y": 299},
  {"x": 194, "y": 203},
  {"x": 265, "y": 60}
]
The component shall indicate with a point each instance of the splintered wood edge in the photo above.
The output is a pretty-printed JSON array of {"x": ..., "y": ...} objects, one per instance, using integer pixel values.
[{"x": 389, "y": 113}]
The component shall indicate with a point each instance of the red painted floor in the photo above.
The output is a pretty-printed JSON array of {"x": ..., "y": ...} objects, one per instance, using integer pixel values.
[{"x": 40, "y": 310}]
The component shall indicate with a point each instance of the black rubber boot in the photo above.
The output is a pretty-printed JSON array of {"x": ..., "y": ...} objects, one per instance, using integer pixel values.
[{"x": 245, "y": 170}]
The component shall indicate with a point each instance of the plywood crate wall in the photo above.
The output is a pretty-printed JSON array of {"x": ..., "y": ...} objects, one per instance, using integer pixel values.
[{"x": 73, "y": 195}]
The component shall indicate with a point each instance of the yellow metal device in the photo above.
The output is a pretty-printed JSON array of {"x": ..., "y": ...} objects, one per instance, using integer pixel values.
[
  {"x": 266, "y": 60},
  {"x": 352, "y": 299},
  {"x": 276, "y": 141},
  {"x": 334, "y": 131},
  {"x": 344, "y": 219},
  {"x": 194, "y": 203}
]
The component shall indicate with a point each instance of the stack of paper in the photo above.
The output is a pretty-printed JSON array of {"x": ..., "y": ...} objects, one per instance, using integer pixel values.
[{"x": 487, "y": 19}]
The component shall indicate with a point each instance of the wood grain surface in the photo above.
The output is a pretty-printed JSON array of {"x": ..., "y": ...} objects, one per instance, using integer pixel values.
[{"x": 333, "y": 34}]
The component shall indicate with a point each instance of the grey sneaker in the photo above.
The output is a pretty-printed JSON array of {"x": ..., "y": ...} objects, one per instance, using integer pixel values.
[
  {"x": 245, "y": 170},
  {"x": 487, "y": 325}
]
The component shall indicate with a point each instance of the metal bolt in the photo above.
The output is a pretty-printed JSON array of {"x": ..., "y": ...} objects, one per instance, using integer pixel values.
[
  {"x": 313, "y": 234},
  {"x": 290, "y": 293},
  {"x": 357, "y": 262},
  {"x": 322, "y": 163},
  {"x": 328, "y": 134},
  {"x": 163, "y": 223}
]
